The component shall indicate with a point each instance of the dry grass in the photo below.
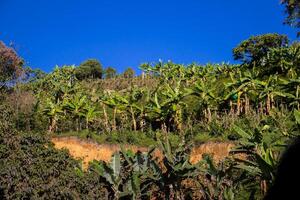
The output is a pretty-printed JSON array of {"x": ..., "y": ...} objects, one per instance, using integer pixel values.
[{"x": 88, "y": 150}]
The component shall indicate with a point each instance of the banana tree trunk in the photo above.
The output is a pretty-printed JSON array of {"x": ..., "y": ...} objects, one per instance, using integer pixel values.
[
  {"x": 87, "y": 124},
  {"x": 264, "y": 187},
  {"x": 52, "y": 125},
  {"x": 142, "y": 122},
  {"x": 105, "y": 117},
  {"x": 272, "y": 102},
  {"x": 260, "y": 108},
  {"x": 178, "y": 120},
  {"x": 208, "y": 114},
  {"x": 247, "y": 105},
  {"x": 133, "y": 118},
  {"x": 268, "y": 104},
  {"x": 77, "y": 124},
  {"x": 231, "y": 108},
  {"x": 164, "y": 127},
  {"x": 238, "y": 104},
  {"x": 114, "y": 127}
]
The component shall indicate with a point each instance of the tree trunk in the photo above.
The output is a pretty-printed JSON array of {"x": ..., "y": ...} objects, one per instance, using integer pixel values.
[
  {"x": 114, "y": 127},
  {"x": 52, "y": 125},
  {"x": 178, "y": 120},
  {"x": 142, "y": 122},
  {"x": 164, "y": 127},
  {"x": 260, "y": 108},
  {"x": 263, "y": 187},
  {"x": 208, "y": 115},
  {"x": 105, "y": 118},
  {"x": 87, "y": 124},
  {"x": 272, "y": 103},
  {"x": 247, "y": 105},
  {"x": 77, "y": 124},
  {"x": 238, "y": 104},
  {"x": 268, "y": 104},
  {"x": 231, "y": 108},
  {"x": 133, "y": 118}
]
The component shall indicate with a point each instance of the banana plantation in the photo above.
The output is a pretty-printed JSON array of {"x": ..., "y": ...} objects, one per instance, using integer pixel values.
[
  {"x": 171, "y": 107},
  {"x": 154, "y": 122}
]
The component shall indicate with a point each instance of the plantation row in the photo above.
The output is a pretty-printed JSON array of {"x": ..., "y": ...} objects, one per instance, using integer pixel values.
[{"x": 167, "y": 94}]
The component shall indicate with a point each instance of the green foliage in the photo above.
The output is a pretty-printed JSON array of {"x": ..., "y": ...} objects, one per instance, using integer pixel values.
[
  {"x": 110, "y": 72},
  {"x": 256, "y": 47},
  {"x": 89, "y": 69},
  {"x": 10, "y": 65},
  {"x": 129, "y": 73},
  {"x": 255, "y": 104},
  {"x": 32, "y": 169},
  {"x": 292, "y": 8}
]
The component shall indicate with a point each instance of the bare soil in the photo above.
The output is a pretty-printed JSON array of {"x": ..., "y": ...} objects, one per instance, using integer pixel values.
[{"x": 88, "y": 150}]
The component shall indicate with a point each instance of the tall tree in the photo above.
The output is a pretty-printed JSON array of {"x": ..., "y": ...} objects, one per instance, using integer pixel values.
[
  {"x": 90, "y": 68},
  {"x": 110, "y": 72},
  {"x": 129, "y": 73},
  {"x": 10, "y": 64},
  {"x": 253, "y": 50},
  {"x": 292, "y": 9}
]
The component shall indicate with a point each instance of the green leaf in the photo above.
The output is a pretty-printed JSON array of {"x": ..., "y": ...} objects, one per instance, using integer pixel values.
[
  {"x": 241, "y": 132},
  {"x": 297, "y": 116},
  {"x": 116, "y": 164}
]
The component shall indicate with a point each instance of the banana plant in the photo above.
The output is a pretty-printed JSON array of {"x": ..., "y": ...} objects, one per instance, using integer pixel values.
[
  {"x": 168, "y": 103},
  {"x": 218, "y": 180},
  {"x": 206, "y": 95},
  {"x": 241, "y": 86},
  {"x": 292, "y": 91},
  {"x": 109, "y": 100},
  {"x": 90, "y": 114},
  {"x": 269, "y": 90},
  {"x": 157, "y": 112},
  {"x": 53, "y": 111},
  {"x": 178, "y": 168},
  {"x": 128, "y": 174},
  {"x": 112, "y": 174},
  {"x": 144, "y": 172},
  {"x": 261, "y": 161},
  {"x": 76, "y": 106},
  {"x": 132, "y": 102}
]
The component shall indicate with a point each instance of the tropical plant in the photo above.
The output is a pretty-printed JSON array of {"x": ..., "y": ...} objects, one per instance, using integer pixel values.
[{"x": 53, "y": 111}]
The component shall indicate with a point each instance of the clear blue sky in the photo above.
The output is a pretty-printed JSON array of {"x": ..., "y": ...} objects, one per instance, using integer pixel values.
[{"x": 126, "y": 33}]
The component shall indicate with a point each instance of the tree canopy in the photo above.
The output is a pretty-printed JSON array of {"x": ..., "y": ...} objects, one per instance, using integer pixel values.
[
  {"x": 10, "y": 64},
  {"x": 256, "y": 47},
  {"x": 110, "y": 72},
  {"x": 89, "y": 69},
  {"x": 129, "y": 73},
  {"x": 292, "y": 9}
]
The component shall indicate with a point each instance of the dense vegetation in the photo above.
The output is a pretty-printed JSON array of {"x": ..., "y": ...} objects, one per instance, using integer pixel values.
[{"x": 254, "y": 104}]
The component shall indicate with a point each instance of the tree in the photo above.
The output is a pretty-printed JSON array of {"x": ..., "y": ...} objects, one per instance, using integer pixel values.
[
  {"x": 10, "y": 64},
  {"x": 283, "y": 61},
  {"x": 129, "y": 73},
  {"x": 90, "y": 68},
  {"x": 76, "y": 106},
  {"x": 261, "y": 162},
  {"x": 110, "y": 72},
  {"x": 292, "y": 9},
  {"x": 53, "y": 111},
  {"x": 206, "y": 94},
  {"x": 253, "y": 50},
  {"x": 90, "y": 114}
]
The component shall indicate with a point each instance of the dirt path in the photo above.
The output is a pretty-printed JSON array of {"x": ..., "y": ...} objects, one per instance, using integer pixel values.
[{"x": 89, "y": 151}]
